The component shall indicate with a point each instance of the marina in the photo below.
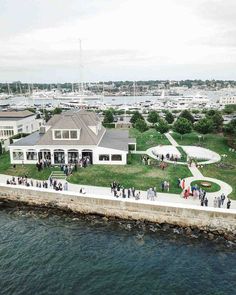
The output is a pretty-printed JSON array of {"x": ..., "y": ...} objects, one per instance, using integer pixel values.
[{"x": 190, "y": 99}]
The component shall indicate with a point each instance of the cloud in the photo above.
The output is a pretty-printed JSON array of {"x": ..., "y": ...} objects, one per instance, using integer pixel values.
[{"x": 125, "y": 37}]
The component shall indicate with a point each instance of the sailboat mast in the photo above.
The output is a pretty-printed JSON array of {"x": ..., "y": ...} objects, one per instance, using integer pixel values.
[
  {"x": 81, "y": 88},
  {"x": 135, "y": 93}
]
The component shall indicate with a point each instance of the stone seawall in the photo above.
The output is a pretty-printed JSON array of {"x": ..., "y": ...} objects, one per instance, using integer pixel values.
[{"x": 214, "y": 220}]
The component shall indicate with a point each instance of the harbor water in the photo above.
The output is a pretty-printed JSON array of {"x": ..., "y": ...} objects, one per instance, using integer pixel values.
[{"x": 42, "y": 253}]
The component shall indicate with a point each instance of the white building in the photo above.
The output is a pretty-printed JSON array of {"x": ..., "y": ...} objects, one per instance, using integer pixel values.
[
  {"x": 71, "y": 136},
  {"x": 12, "y": 123},
  {"x": 228, "y": 100}
]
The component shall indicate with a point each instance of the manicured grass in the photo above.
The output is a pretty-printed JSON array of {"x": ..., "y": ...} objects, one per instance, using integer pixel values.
[
  {"x": 213, "y": 188},
  {"x": 148, "y": 139},
  {"x": 21, "y": 170},
  {"x": 4, "y": 162},
  {"x": 135, "y": 174},
  {"x": 217, "y": 143},
  {"x": 189, "y": 139},
  {"x": 183, "y": 154}
]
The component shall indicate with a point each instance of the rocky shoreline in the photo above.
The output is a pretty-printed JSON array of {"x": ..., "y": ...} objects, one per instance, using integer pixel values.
[{"x": 192, "y": 232}]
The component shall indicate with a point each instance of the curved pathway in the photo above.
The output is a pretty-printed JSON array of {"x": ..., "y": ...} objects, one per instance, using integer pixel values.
[{"x": 197, "y": 175}]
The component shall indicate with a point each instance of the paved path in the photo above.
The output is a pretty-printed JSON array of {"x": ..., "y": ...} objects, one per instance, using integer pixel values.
[
  {"x": 171, "y": 139},
  {"x": 195, "y": 171},
  {"x": 105, "y": 192},
  {"x": 197, "y": 175}
]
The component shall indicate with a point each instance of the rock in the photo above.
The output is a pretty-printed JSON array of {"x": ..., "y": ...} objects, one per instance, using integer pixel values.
[
  {"x": 165, "y": 227},
  {"x": 230, "y": 237},
  {"x": 152, "y": 228},
  {"x": 188, "y": 231},
  {"x": 194, "y": 236},
  {"x": 210, "y": 236},
  {"x": 176, "y": 231},
  {"x": 128, "y": 226}
]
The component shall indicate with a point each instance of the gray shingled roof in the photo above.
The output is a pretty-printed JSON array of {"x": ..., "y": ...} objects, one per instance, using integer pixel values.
[
  {"x": 29, "y": 140},
  {"x": 74, "y": 120},
  {"x": 13, "y": 115},
  {"x": 116, "y": 139}
]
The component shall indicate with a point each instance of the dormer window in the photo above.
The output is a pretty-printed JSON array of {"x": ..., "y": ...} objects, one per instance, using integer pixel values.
[{"x": 66, "y": 134}]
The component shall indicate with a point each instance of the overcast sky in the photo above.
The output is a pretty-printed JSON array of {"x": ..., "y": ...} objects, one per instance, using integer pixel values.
[{"x": 121, "y": 39}]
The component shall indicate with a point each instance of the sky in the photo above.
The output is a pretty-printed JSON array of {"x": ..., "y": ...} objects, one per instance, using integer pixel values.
[{"x": 121, "y": 40}]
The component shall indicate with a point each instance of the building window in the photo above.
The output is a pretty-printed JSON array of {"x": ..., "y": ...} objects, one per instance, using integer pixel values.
[
  {"x": 18, "y": 156},
  {"x": 65, "y": 134},
  {"x": 59, "y": 157},
  {"x": 116, "y": 157},
  {"x": 73, "y": 134},
  {"x": 20, "y": 128},
  {"x": 31, "y": 155},
  {"x": 57, "y": 134},
  {"x": 104, "y": 157}
]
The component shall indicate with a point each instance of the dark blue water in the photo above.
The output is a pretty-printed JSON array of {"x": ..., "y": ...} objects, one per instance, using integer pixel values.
[{"x": 61, "y": 255}]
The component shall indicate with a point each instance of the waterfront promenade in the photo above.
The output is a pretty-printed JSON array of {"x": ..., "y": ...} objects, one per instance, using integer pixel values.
[{"x": 105, "y": 192}]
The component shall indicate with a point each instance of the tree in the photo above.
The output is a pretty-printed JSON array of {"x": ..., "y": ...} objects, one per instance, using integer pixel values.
[
  {"x": 230, "y": 132},
  {"x": 108, "y": 118},
  {"x": 136, "y": 116},
  {"x": 216, "y": 118},
  {"x": 162, "y": 126},
  {"x": 187, "y": 115},
  {"x": 153, "y": 117},
  {"x": 57, "y": 111},
  {"x": 204, "y": 126},
  {"x": 141, "y": 125},
  {"x": 230, "y": 109},
  {"x": 169, "y": 117},
  {"x": 182, "y": 126}
]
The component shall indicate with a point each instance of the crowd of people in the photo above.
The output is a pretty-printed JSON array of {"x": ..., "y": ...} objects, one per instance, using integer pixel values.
[
  {"x": 25, "y": 181},
  {"x": 120, "y": 191},
  {"x": 219, "y": 201},
  {"x": 165, "y": 186},
  {"x": 43, "y": 164}
]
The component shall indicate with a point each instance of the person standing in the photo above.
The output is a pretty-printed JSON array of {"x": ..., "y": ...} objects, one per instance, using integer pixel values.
[
  {"x": 222, "y": 199},
  {"x": 228, "y": 204},
  {"x": 66, "y": 186},
  {"x": 162, "y": 186},
  {"x": 206, "y": 201},
  {"x": 215, "y": 202},
  {"x": 129, "y": 192}
]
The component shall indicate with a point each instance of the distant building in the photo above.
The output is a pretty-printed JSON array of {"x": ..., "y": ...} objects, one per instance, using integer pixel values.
[
  {"x": 228, "y": 100},
  {"x": 12, "y": 123},
  {"x": 72, "y": 136}
]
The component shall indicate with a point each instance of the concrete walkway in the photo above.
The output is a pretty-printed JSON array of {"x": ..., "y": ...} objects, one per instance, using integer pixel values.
[
  {"x": 171, "y": 139},
  {"x": 195, "y": 171},
  {"x": 105, "y": 192},
  {"x": 197, "y": 175}
]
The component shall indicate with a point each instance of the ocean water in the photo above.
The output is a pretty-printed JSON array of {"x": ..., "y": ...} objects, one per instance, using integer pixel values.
[{"x": 51, "y": 254}]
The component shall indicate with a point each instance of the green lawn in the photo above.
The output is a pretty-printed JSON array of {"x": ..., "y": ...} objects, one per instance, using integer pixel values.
[
  {"x": 21, "y": 170},
  {"x": 183, "y": 154},
  {"x": 148, "y": 139},
  {"x": 135, "y": 174},
  {"x": 213, "y": 188},
  {"x": 217, "y": 143}
]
